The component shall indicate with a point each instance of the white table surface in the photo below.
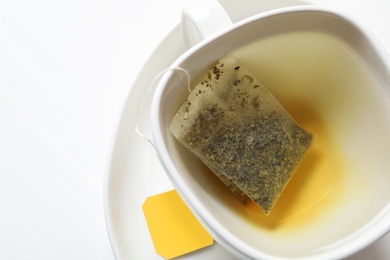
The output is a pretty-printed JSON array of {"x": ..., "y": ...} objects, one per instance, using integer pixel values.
[{"x": 65, "y": 70}]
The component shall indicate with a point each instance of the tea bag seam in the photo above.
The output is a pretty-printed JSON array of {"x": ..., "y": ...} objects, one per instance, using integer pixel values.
[{"x": 147, "y": 96}]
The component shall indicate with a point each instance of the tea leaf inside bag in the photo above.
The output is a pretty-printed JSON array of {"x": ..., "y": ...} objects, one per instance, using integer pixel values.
[{"x": 241, "y": 132}]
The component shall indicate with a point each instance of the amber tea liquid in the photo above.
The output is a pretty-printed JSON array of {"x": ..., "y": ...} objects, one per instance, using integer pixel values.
[{"x": 329, "y": 91}]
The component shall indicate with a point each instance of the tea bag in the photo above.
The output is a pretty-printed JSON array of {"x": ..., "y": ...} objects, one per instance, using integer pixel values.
[{"x": 242, "y": 133}]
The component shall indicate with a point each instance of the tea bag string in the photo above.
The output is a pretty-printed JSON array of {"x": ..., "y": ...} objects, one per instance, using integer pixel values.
[{"x": 147, "y": 96}]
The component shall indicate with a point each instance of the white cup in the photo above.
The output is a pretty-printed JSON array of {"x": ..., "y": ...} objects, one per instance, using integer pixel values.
[{"x": 355, "y": 118}]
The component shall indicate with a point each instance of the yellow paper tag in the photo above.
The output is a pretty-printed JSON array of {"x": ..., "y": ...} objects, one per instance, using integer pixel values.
[{"x": 174, "y": 229}]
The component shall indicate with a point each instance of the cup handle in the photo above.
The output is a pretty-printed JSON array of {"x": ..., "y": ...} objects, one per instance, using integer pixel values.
[{"x": 202, "y": 19}]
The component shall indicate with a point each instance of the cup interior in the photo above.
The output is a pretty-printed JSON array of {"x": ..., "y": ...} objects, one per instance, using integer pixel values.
[{"x": 333, "y": 78}]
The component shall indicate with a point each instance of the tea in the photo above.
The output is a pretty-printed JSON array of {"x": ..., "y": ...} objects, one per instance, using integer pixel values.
[{"x": 330, "y": 91}]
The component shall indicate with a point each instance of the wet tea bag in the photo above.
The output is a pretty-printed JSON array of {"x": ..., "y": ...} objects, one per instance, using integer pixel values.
[{"x": 242, "y": 133}]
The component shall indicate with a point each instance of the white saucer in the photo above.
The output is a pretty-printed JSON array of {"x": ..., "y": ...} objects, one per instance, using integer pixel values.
[{"x": 134, "y": 167}]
